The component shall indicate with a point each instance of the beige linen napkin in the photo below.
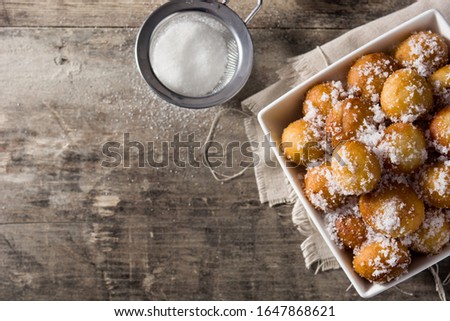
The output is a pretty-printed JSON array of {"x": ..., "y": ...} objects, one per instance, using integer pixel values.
[{"x": 273, "y": 187}]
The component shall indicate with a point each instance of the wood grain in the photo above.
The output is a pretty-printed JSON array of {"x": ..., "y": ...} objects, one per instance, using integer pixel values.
[
  {"x": 71, "y": 229},
  {"x": 293, "y": 14}
]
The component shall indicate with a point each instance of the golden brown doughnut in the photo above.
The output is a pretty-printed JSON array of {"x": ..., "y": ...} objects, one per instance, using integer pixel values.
[
  {"x": 435, "y": 184},
  {"x": 351, "y": 230},
  {"x": 382, "y": 260},
  {"x": 424, "y": 51},
  {"x": 403, "y": 147},
  {"x": 406, "y": 96},
  {"x": 368, "y": 74},
  {"x": 433, "y": 234},
  {"x": 394, "y": 210},
  {"x": 440, "y": 80},
  {"x": 300, "y": 142},
  {"x": 440, "y": 130},
  {"x": 355, "y": 168},
  {"x": 321, "y": 189},
  {"x": 322, "y": 97},
  {"x": 346, "y": 118}
]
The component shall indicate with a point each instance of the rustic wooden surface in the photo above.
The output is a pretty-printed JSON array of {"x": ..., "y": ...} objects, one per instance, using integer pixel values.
[{"x": 72, "y": 230}]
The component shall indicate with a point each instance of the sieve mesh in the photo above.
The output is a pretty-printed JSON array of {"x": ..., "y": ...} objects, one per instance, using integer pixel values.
[{"x": 209, "y": 22}]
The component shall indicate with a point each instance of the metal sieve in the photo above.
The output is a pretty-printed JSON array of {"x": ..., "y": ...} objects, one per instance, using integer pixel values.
[{"x": 220, "y": 18}]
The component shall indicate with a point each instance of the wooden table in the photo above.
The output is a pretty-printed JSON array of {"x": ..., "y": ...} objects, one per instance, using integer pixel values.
[{"x": 71, "y": 229}]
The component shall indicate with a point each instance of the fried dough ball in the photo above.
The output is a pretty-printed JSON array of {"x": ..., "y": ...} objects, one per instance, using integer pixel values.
[
  {"x": 440, "y": 130},
  {"x": 432, "y": 235},
  {"x": 368, "y": 74},
  {"x": 356, "y": 168},
  {"x": 406, "y": 96},
  {"x": 301, "y": 142},
  {"x": 321, "y": 189},
  {"x": 351, "y": 230},
  {"x": 440, "y": 80},
  {"x": 424, "y": 51},
  {"x": 346, "y": 118},
  {"x": 394, "y": 210},
  {"x": 403, "y": 147},
  {"x": 435, "y": 184},
  {"x": 322, "y": 97},
  {"x": 382, "y": 260}
]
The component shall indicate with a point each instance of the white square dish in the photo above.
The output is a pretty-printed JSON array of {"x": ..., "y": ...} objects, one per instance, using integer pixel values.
[{"x": 286, "y": 109}]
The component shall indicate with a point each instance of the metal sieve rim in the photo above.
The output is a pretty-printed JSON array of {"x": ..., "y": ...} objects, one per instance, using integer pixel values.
[{"x": 221, "y": 12}]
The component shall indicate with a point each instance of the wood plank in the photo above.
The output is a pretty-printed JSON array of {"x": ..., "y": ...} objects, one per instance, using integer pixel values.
[
  {"x": 70, "y": 229},
  {"x": 4, "y": 19},
  {"x": 295, "y": 14},
  {"x": 48, "y": 261}
]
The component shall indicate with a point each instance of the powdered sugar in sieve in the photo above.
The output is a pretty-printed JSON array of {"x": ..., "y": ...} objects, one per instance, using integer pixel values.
[{"x": 193, "y": 54}]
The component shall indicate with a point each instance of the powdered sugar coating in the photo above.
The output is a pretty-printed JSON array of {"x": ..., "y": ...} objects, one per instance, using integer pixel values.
[
  {"x": 406, "y": 96},
  {"x": 350, "y": 208},
  {"x": 347, "y": 118},
  {"x": 440, "y": 80},
  {"x": 321, "y": 188},
  {"x": 355, "y": 168},
  {"x": 424, "y": 51},
  {"x": 386, "y": 217},
  {"x": 369, "y": 73},
  {"x": 381, "y": 260},
  {"x": 395, "y": 210},
  {"x": 432, "y": 236},
  {"x": 435, "y": 184},
  {"x": 301, "y": 142},
  {"x": 323, "y": 97},
  {"x": 440, "y": 131},
  {"x": 403, "y": 147}
]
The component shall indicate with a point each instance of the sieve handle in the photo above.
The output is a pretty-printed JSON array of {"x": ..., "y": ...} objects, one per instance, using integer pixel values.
[{"x": 253, "y": 13}]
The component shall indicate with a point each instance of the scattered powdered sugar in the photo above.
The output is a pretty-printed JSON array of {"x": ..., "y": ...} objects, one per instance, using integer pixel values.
[
  {"x": 318, "y": 200},
  {"x": 433, "y": 222},
  {"x": 346, "y": 159},
  {"x": 351, "y": 208},
  {"x": 317, "y": 127},
  {"x": 389, "y": 257},
  {"x": 391, "y": 179},
  {"x": 338, "y": 92},
  {"x": 353, "y": 92},
  {"x": 443, "y": 95},
  {"x": 440, "y": 148},
  {"x": 432, "y": 228},
  {"x": 442, "y": 184},
  {"x": 330, "y": 223},
  {"x": 310, "y": 105},
  {"x": 370, "y": 134},
  {"x": 314, "y": 117},
  {"x": 325, "y": 97},
  {"x": 387, "y": 218},
  {"x": 332, "y": 185},
  {"x": 414, "y": 109},
  {"x": 378, "y": 114},
  {"x": 388, "y": 149}
]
